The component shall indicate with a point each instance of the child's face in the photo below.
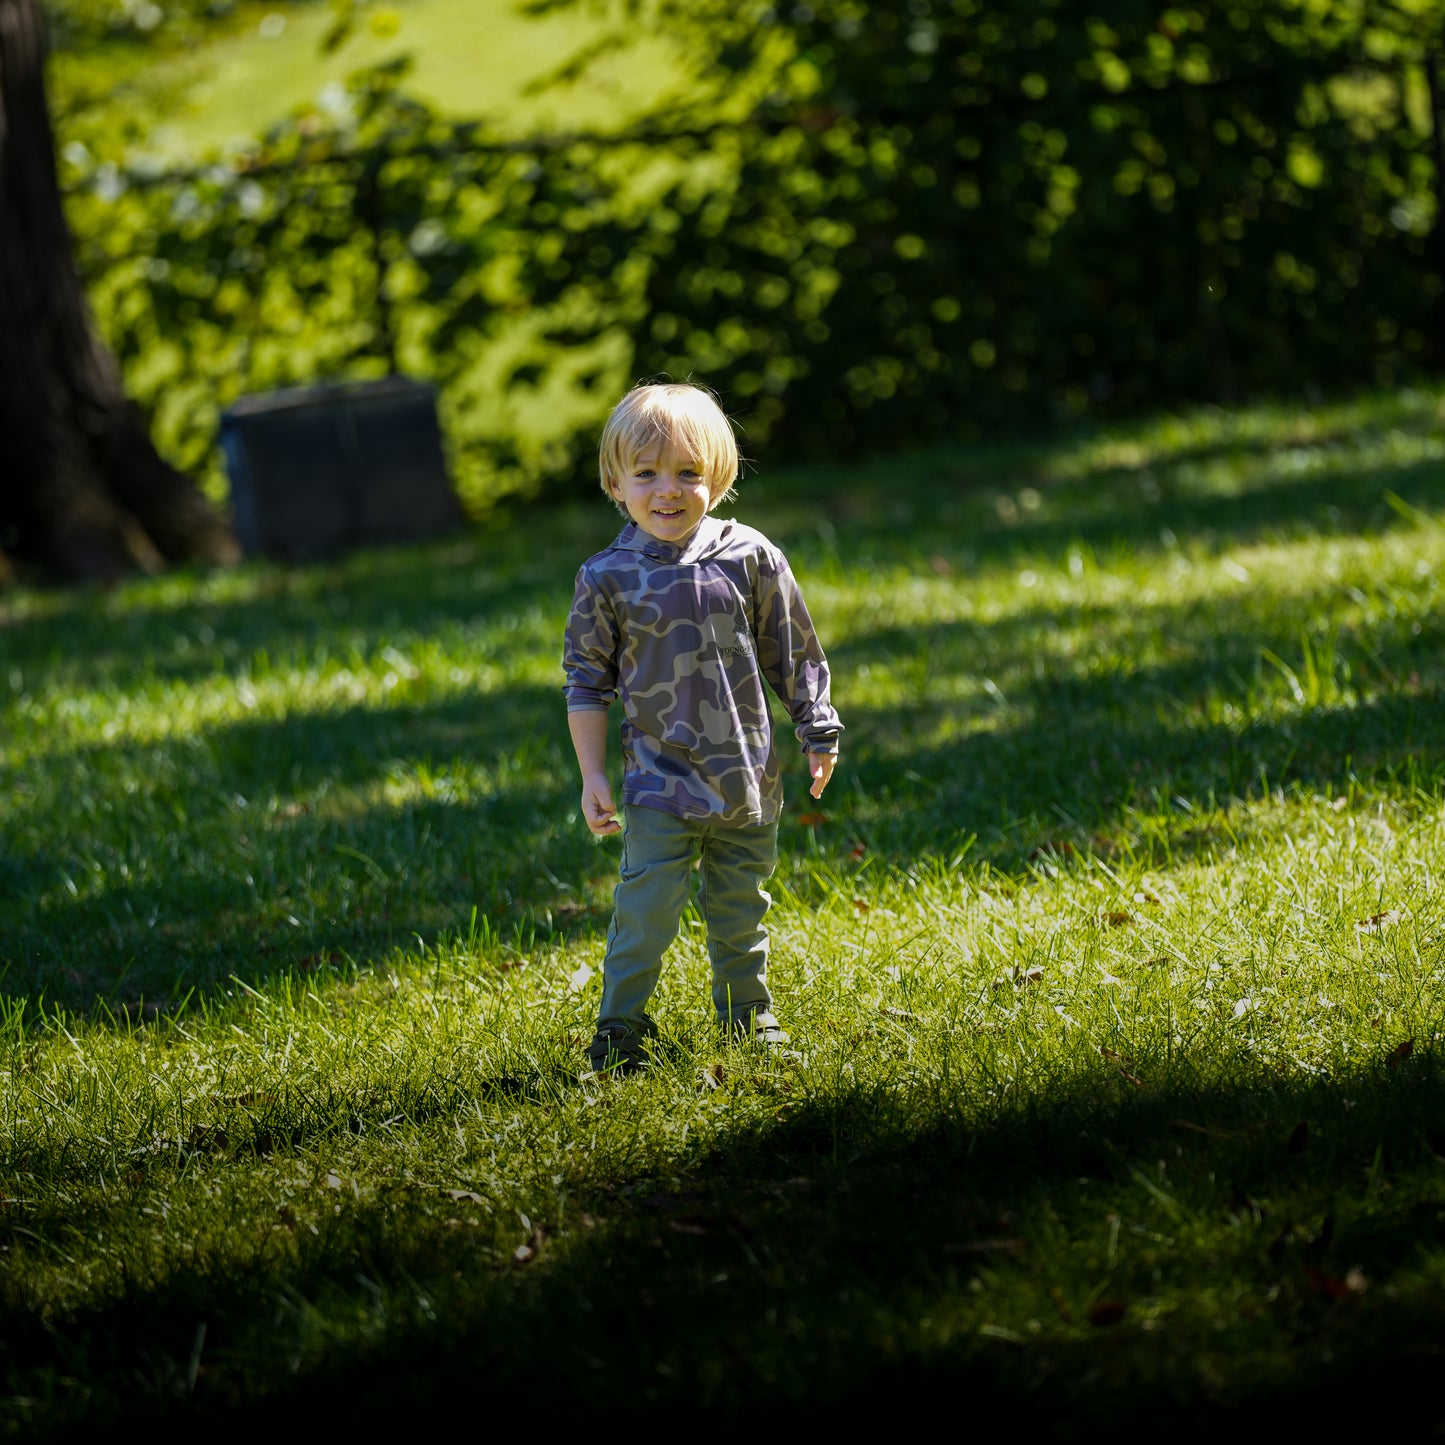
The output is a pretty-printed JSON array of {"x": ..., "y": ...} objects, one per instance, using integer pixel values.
[{"x": 664, "y": 492}]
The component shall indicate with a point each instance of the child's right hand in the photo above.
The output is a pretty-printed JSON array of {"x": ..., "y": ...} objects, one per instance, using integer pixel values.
[{"x": 599, "y": 812}]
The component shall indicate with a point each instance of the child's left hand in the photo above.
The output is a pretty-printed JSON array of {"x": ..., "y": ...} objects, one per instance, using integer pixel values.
[{"x": 821, "y": 766}]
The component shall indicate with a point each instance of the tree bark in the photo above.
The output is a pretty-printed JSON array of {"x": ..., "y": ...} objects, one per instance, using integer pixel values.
[{"x": 83, "y": 492}]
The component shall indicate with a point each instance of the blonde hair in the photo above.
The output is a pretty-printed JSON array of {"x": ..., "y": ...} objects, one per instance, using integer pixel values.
[{"x": 679, "y": 413}]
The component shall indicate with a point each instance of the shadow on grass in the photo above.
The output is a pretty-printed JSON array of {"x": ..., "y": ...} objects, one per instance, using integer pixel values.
[
  {"x": 1202, "y": 1252},
  {"x": 267, "y": 846},
  {"x": 1106, "y": 510},
  {"x": 148, "y": 870},
  {"x": 1054, "y": 720},
  {"x": 247, "y": 852},
  {"x": 186, "y": 629}
]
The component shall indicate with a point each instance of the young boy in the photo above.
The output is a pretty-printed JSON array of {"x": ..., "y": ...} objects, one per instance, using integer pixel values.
[{"x": 683, "y": 617}]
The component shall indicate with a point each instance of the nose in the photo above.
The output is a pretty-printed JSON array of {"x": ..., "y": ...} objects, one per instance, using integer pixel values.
[{"x": 668, "y": 484}]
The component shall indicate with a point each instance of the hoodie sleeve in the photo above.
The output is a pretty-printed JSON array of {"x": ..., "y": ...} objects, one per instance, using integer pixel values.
[
  {"x": 589, "y": 649},
  {"x": 791, "y": 658}
]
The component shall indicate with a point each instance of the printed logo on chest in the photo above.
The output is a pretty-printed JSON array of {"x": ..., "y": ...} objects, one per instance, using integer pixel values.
[{"x": 728, "y": 635}]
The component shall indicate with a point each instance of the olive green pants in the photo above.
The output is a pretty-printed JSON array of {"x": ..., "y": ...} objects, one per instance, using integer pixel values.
[{"x": 657, "y": 855}]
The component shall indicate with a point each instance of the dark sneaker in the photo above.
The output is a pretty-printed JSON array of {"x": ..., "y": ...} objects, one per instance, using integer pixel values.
[{"x": 616, "y": 1049}]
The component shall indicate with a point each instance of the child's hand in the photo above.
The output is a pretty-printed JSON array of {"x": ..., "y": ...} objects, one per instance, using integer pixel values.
[
  {"x": 821, "y": 766},
  {"x": 599, "y": 812}
]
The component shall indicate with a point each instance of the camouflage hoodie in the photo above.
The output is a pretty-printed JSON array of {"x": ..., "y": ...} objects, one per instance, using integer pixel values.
[{"x": 686, "y": 635}]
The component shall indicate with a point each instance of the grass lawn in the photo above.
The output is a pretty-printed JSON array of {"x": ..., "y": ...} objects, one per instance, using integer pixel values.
[
  {"x": 472, "y": 59},
  {"x": 1114, "y": 957}
]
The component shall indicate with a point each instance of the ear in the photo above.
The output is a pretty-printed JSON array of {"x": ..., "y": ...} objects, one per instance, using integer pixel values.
[{"x": 614, "y": 488}]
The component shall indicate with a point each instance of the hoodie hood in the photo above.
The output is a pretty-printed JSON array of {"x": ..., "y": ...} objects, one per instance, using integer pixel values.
[{"x": 713, "y": 534}]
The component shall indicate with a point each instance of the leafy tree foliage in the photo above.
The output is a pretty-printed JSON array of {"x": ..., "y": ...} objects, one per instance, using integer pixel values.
[
  {"x": 940, "y": 215},
  {"x": 1032, "y": 207}
]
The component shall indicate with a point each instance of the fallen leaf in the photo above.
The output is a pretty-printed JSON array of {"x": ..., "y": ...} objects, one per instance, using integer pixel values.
[
  {"x": 713, "y": 1077},
  {"x": 1356, "y": 1280},
  {"x": 208, "y": 1138},
  {"x": 532, "y": 1246},
  {"x": 1106, "y": 1312},
  {"x": 1147, "y": 895},
  {"x": 469, "y": 1195},
  {"x": 1109, "y": 1053},
  {"x": 1200, "y": 1129},
  {"x": 685, "y": 1226},
  {"x": 333, "y": 1181},
  {"x": 1400, "y": 1053},
  {"x": 1378, "y": 922},
  {"x": 570, "y": 909},
  {"x": 1001, "y": 1332},
  {"x": 860, "y": 905},
  {"x": 1299, "y": 1138},
  {"x": 1029, "y": 976},
  {"x": 1129, "y": 1078},
  {"x": 858, "y": 852},
  {"x": 812, "y": 820},
  {"x": 250, "y": 1100},
  {"x": 1326, "y": 1284},
  {"x": 988, "y": 1246},
  {"x": 1119, "y": 918}
]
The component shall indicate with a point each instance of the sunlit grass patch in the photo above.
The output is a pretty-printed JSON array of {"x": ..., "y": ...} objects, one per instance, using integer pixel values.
[
  {"x": 1113, "y": 958},
  {"x": 475, "y": 59}
]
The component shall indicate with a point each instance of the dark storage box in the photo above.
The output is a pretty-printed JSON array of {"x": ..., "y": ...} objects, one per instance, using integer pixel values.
[{"x": 322, "y": 468}]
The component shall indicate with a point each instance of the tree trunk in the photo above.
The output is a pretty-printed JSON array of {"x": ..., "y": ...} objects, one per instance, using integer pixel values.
[{"x": 83, "y": 493}]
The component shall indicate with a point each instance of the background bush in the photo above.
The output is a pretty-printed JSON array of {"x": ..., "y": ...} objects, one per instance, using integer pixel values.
[{"x": 941, "y": 217}]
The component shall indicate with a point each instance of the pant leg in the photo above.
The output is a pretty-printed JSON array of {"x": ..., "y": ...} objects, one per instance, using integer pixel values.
[
  {"x": 647, "y": 910},
  {"x": 736, "y": 862}
]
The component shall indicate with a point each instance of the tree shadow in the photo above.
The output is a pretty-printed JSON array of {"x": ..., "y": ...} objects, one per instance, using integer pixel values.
[
  {"x": 974, "y": 520},
  {"x": 464, "y": 800},
  {"x": 185, "y": 628},
  {"x": 794, "y": 1261},
  {"x": 1226, "y": 702},
  {"x": 1221, "y": 1247},
  {"x": 446, "y": 807}
]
